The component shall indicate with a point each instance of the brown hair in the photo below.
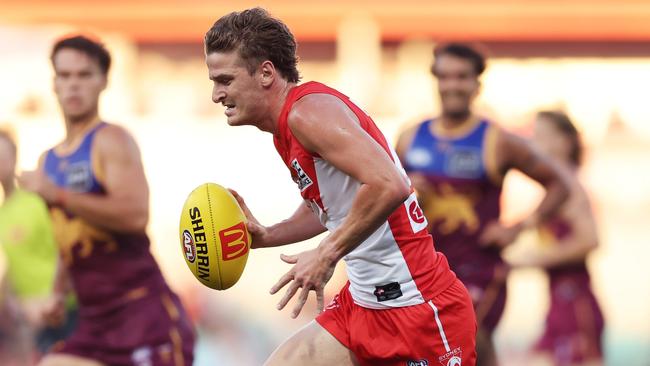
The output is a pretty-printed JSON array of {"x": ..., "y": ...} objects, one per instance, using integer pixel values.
[
  {"x": 94, "y": 49},
  {"x": 563, "y": 123},
  {"x": 463, "y": 51},
  {"x": 258, "y": 37}
]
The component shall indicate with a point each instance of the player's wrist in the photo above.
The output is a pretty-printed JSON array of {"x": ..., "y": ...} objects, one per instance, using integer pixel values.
[
  {"x": 327, "y": 253},
  {"x": 60, "y": 197},
  {"x": 530, "y": 222}
]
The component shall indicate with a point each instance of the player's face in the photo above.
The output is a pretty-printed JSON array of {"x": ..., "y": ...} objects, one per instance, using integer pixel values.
[
  {"x": 550, "y": 139},
  {"x": 235, "y": 88},
  {"x": 8, "y": 161},
  {"x": 78, "y": 82},
  {"x": 457, "y": 84}
]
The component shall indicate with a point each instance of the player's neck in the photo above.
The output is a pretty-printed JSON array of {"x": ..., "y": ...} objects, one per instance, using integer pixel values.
[
  {"x": 276, "y": 105},
  {"x": 454, "y": 121},
  {"x": 76, "y": 129}
]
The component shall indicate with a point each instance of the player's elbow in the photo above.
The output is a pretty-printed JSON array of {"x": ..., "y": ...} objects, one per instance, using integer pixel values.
[
  {"x": 399, "y": 191},
  {"x": 136, "y": 222}
]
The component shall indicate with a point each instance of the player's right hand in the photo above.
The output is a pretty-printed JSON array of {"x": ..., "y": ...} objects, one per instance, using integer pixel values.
[
  {"x": 54, "y": 310},
  {"x": 259, "y": 233}
]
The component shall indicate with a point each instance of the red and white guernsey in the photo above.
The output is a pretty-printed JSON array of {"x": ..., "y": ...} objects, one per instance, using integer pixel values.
[{"x": 397, "y": 265}]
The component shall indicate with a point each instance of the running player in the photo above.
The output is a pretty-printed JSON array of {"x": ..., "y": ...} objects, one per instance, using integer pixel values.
[
  {"x": 456, "y": 163},
  {"x": 95, "y": 185},
  {"x": 402, "y": 305},
  {"x": 574, "y": 323}
]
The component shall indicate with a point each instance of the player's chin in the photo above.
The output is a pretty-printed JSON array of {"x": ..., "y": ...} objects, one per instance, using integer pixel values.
[{"x": 234, "y": 121}]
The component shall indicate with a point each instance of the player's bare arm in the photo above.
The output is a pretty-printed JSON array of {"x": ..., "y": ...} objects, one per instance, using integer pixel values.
[
  {"x": 326, "y": 126},
  {"x": 125, "y": 207},
  {"x": 573, "y": 248},
  {"x": 418, "y": 181},
  {"x": 302, "y": 225},
  {"x": 513, "y": 152}
]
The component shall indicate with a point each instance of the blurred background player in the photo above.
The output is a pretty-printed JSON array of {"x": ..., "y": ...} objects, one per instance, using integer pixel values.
[
  {"x": 402, "y": 304},
  {"x": 457, "y": 163},
  {"x": 574, "y": 323},
  {"x": 30, "y": 253},
  {"x": 99, "y": 202}
]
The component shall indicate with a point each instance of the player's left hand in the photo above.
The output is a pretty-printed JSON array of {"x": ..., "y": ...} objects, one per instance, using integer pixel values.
[
  {"x": 310, "y": 272},
  {"x": 498, "y": 235},
  {"x": 37, "y": 182}
]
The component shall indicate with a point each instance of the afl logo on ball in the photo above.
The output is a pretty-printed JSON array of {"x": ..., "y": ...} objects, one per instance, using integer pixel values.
[{"x": 190, "y": 248}]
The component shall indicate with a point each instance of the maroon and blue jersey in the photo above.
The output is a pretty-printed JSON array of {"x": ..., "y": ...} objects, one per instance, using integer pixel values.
[
  {"x": 464, "y": 191},
  {"x": 127, "y": 314},
  {"x": 107, "y": 268},
  {"x": 574, "y": 322}
]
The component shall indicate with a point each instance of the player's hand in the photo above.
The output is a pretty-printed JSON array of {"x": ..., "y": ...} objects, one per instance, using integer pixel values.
[
  {"x": 37, "y": 182},
  {"x": 311, "y": 271},
  {"x": 54, "y": 310},
  {"x": 259, "y": 233},
  {"x": 497, "y": 235}
]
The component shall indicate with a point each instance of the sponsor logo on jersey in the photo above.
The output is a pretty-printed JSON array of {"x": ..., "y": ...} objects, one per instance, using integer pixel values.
[
  {"x": 464, "y": 163},
  {"x": 203, "y": 261},
  {"x": 387, "y": 292},
  {"x": 419, "y": 157},
  {"x": 422, "y": 362},
  {"x": 416, "y": 212},
  {"x": 190, "y": 248},
  {"x": 234, "y": 242},
  {"x": 301, "y": 178},
  {"x": 78, "y": 177},
  {"x": 451, "y": 358},
  {"x": 416, "y": 216}
]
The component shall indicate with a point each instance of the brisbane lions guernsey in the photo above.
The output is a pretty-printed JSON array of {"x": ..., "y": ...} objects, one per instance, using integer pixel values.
[
  {"x": 108, "y": 269},
  {"x": 396, "y": 265}
]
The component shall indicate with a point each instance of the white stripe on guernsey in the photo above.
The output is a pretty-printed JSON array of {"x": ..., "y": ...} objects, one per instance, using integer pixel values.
[{"x": 442, "y": 331}]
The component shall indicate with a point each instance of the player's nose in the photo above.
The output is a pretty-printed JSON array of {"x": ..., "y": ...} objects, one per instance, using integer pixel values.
[{"x": 218, "y": 95}]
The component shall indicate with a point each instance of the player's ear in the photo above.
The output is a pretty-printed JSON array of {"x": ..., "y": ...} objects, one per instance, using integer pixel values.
[
  {"x": 268, "y": 73},
  {"x": 104, "y": 82},
  {"x": 477, "y": 90}
]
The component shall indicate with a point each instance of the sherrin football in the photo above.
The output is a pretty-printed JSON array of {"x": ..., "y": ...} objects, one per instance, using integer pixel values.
[{"x": 214, "y": 239}]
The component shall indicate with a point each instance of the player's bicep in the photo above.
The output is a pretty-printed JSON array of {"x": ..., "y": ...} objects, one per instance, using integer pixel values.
[
  {"x": 527, "y": 158},
  {"x": 123, "y": 174}
]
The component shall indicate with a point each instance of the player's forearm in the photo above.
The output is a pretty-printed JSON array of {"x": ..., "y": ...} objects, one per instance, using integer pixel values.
[
  {"x": 370, "y": 209},
  {"x": 112, "y": 213},
  {"x": 61, "y": 284},
  {"x": 557, "y": 193},
  {"x": 567, "y": 252},
  {"x": 302, "y": 225}
]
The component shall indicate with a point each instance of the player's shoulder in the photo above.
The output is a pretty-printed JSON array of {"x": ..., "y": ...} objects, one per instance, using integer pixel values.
[
  {"x": 408, "y": 130},
  {"x": 113, "y": 136},
  {"x": 315, "y": 109}
]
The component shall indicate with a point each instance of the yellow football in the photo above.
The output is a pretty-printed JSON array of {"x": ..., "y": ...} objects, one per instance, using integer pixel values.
[{"x": 214, "y": 238}]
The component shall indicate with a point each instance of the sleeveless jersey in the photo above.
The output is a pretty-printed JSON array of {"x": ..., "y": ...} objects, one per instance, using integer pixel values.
[
  {"x": 396, "y": 265},
  {"x": 463, "y": 195},
  {"x": 108, "y": 269},
  {"x": 552, "y": 232}
]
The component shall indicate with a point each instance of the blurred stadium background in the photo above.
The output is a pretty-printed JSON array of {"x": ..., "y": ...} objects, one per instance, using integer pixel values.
[{"x": 590, "y": 58}]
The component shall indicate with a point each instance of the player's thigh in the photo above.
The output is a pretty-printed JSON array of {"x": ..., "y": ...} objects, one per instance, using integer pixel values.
[
  {"x": 314, "y": 346},
  {"x": 67, "y": 360}
]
